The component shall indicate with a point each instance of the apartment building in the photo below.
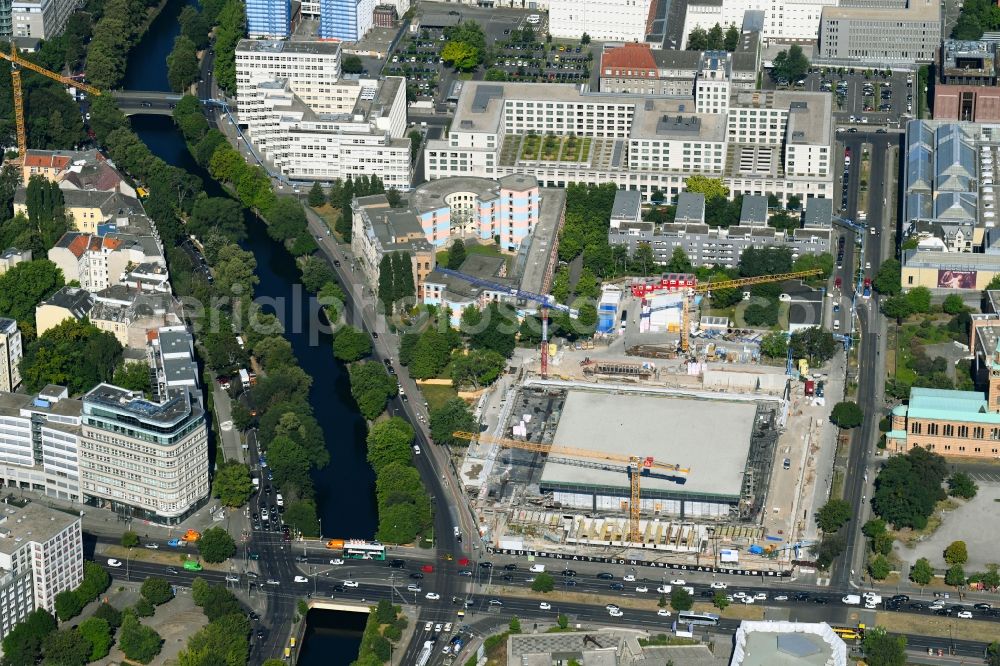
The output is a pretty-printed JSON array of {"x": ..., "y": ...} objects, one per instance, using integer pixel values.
[
  {"x": 67, "y": 303},
  {"x": 141, "y": 458},
  {"x": 445, "y": 291},
  {"x": 44, "y": 19},
  {"x": 97, "y": 262},
  {"x": 345, "y": 20},
  {"x": 269, "y": 19},
  {"x": 12, "y": 257},
  {"x": 312, "y": 124},
  {"x": 880, "y": 36},
  {"x": 88, "y": 208},
  {"x": 11, "y": 351},
  {"x": 41, "y": 555},
  {"x": 378, "y": 229},
  {"x": 603, "y": 20},
  {"x": 40, "y": 442},
  {"x": 968, "y": 82},
  {"x": 130, "y": 314},
  {"x": 639, "y": 69},
  {"x": 759, "y": 143}
]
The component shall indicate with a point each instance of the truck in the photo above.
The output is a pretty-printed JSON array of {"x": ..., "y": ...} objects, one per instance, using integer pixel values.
[
  {"x": 537, "y": 568},
  {"x": 245, "y": 378},
  {"x": 335, "y": 544},
  {"x": 852, "y": 599},
  {"x": 872, "y": 598},
  {"x": 810, "y": 387}
]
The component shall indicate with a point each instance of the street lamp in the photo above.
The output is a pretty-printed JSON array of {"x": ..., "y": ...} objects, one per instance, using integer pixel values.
[{"x": 128, "y": 556}]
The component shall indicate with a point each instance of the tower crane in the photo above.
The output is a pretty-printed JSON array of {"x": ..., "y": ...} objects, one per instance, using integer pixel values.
[
  {"x": 545, "y": 300},
  {"x": 634, "y": 466},
  {"x": 707, "y": 287},
  {"x": 16, "y": 63}
]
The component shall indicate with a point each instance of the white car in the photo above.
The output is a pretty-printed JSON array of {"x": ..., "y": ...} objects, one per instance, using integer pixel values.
[
  {"x": 271, "y": 581},
  {"x": 615, "y": 613},
  {"x": 301, "y": 579},
  {"x": 760, "y": 596},
  {"x": 447, "y": 627},
  {"x": 612, "y": 607},
  {"x": 937, "y": 605},
  {"x": 781, "y": 597},
  {"x": 739, "y": 595},
  {"x": 429, "y": 626},
  {"x": 965, "y": 615},
  {"x": 871, "y": 605},
  {"x": 642, "y": 588},
  {"x": 678, "y": 581},
  {"x": 351, "y": 583},
  {"x": 416, "y": 449},
  {"x": 264, "y": 515},
  {"x": 545, "y": 606},
  {"x": 437, "y": 628},
  {"x": 663, "y": 589},
  {"x": 153, "y": 546},
  {"x": 337, "y": 561},
  {"x": 433, "y": 596},
  {"x": 747, "y": 600},
  {"x": 233, "y": 579},
  {"x": 663, "y": 612},
  {"x": 719, "y": 585},
  {"x": 629, "y": 578},
  {"x": 413, "y": 587},
  {"x": 114, "y": 563}
]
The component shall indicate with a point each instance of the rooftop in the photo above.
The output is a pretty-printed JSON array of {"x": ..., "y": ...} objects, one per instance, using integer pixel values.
[
  {"x": 631, "y": 56},
  {"x": 819, "y": 213},
  {"x": 168, "y": 414},
  {"x": 960, "y": 261},
  {"x": 780, "y": 643},
  {"x": 274, "y": 46},
  {"x": 626, "y": 205},
  {"x": 76, "y": 300},
  {"x": 673, "y": 118},
  {"x": 754, "y": 210},
  {"x": 531, "y": 265},
  {"x": 927, "y": 403},
  {"x": 690, "y": 207},
  {"x": 431, "y": 195},
  {"x": 916, "y": 10},
  {"x": 670, "y": 429},
  {"x": 11, "y": 404},
  {"x": 33, "y": 522},
  {"x": 476, "y": 265}
]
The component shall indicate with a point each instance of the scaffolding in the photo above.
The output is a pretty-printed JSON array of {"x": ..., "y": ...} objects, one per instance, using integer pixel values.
[
  {"x": 760, "y": 459},
  {"x": 631, "y": 369}
]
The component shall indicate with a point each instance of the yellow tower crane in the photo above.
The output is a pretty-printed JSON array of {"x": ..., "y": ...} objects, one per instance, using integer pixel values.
[
  {"x": 634, "y": 466},
  {"x": 16, "y": 62},
  {"x": 707, "y": 287}
]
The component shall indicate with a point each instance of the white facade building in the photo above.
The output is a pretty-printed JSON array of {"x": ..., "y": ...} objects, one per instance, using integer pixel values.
[
  {"x": 41, "y": 555},
  {"x": 39, "y": 442},
  {"x": 312, "y": 124},
  {"x": 603, "y": 20},
  {"x": 44, "y": 19},
  {"x": 791, "y": 21},
  {"x": 97, "y": 262},
  {"x": 759, "y": 143},
  {"x": 11, "y": 351}
]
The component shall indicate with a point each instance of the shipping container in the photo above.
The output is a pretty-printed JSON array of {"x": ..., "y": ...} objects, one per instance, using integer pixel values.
[{"x": 810, "y": 387}]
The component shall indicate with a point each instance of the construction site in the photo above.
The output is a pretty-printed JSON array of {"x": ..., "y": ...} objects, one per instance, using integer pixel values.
[{"x": 696, "y": 455}]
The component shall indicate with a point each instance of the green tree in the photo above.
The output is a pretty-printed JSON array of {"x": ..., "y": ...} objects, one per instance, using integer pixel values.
[
  {"x": 790, "y": 65},
  {"x": 679, "y": 262},
  {"x": 882, "y": 649},
  {"x": 66, "y": 647},
  {"x": 138, "y": 642},
  {"x": 386, "y": 287},
  {"x": 897, "y": 307},
  {"x": 389, "y": 442},
  {"x": 712, "y": 188},
  {"x": 732, "y": 39},
  {"x": 956, "y": 553},
  {"x": 921, "y": 572},
  {"x": 562, "y": 621},
  {"x": 220, "y": 216},
  {"x": 720, "y": 601},
  {"x": 774, "y": 345},
  {"x": 477, "y": 368},
  {"x": 182, "y": 64},
  {"x": 495, "y": 74},
  {"x": 543, "y": 583},
  {"x": 962, "y": 485},
  {"x": 955, "y": 575},
  {"x": 301, "y": 515},
  {"x": 215, "y": 545},
  {"x": 402, "y": 278},
  {"x": 133, "y": 376},
  {"x": 765, "y": 261},
  {"x": 497, "y": 331},
  {"x": 97, "y": 633},
  {"x": 24, "y": 286},
  {"x": 130, "y": 539},
  {"x": 847, "y": 415},
  {"x": 993, "y": 654},
  {"x": 833, "y": 515},
  {"x": 460, "y": 55},
  {"x": 919, "y": 299},
  {"x": 371, "y": 387},
  {"x": 69, "y": 604},
  {"x": 157, "y": 590},
  {"x": 680, "y": 599},
  {"x": 232, "y": 484},
  {"x": 953, "y": 304},
  {"x": 453, "y": 416},
  {"x": 456, "y": 254},
  {"x": 829, "y": 549},
  {"x": 23, "y": 645},
  {"x": 908, "y": 487},
  {"x": 879, "y": 567},
  {"x": 143, "y": 608},
  {"x": 697, "y": 39},
  {"x": 515, "y": 625},
  {"x": 351, "y": 344},
  {"x": 814, "y": 344},
  {"x": 317, "y": 197}
]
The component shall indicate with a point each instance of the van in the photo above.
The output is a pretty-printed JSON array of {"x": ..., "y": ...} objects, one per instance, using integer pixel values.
[
  {"x": 851, "y": 599},
  {"x": 256, "y": 483},
  {"x": 537, "y": 568},
  {"x": 280, "y": 500}
]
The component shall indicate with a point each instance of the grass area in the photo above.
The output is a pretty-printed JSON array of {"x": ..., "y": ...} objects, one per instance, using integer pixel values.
[
  {"x": 837, "y": 487},
  {"x": 550, "y": 147},
  {"x": 663, "y": 639},
  {"x": 330, "y": 216},
  {"x": 437, "y": 394},
  {"x": 165, "y": 555},
  {"x": 490, "y": 250},
  {"x": 910, "y": 537},
  {"x": 571, "y": 149},
  {"x": 530, "y": 146},
  {"x": 863, "y": 191},
  {"x": 941, "y": 627}
]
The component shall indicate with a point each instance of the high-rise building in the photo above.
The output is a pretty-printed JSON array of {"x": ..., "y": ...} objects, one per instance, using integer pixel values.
[
  {"x": 39, "y": 442},
  {"x": 41, "y": 555},
  {"x": 269, "y": 19},
  {"x": 144, "y": 459},
  {"x": 345, "y": 20},
  {"x": 43, "y": 19},
  {"x": 10, "y": 355}
]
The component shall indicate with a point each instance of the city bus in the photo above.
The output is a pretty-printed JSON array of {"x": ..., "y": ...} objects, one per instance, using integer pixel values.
[
  {"x": 690, "y": 617},
  {"x": 425, "y": 653},
  {"x": 364, "y": 550}
]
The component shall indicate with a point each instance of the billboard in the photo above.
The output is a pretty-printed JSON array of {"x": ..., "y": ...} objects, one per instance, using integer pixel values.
[{"x": 956, "y": 279}]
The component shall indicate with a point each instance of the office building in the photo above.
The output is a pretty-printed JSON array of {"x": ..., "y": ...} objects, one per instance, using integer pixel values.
[
  {"x": 41, "y": 555},
  {"x": 445, "y": 291},
  {"x": 385, "y": 16},
  {"x": 40, "y": 442},
  {"x": 345, "y": 20},
  {"x": 11, "y": 351},
  {"x": 12, "y": 257},
  {"x": 603, "y": 20},
  {"x": 774, "y": 142},
  {"x": 313, "y": 125},
  {"x": 880, "y": 36},
  {"x": 967, "y": 82},
  {"x": 637, "y": 68},
  {"x": 626, "y": 208},
  {"x": 794, "y": 21},
  {"x": 141, "y": 458},
  {"x": 38, "y": 18},
  {"x": 269, "y": 19},
  {"x": 75, "y": 170}
]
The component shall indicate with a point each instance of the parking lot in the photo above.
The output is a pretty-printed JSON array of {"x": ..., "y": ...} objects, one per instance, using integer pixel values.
[
  {"x": 881, "y": 98},
  {"x": 531, "y": 61}
]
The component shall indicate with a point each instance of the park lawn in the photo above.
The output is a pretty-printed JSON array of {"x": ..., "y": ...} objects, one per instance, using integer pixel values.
[
  {"x": 330, "y": 216},
  {"x": 437, "y": 394},
  {"x": 490, "y": 250}
]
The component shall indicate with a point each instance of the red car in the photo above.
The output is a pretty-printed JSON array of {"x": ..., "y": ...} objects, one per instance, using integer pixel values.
[
  {"x": 837, "y": 283},
  {"x": 427, "y": 568},
  {"x": 463, "y": 562}
]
